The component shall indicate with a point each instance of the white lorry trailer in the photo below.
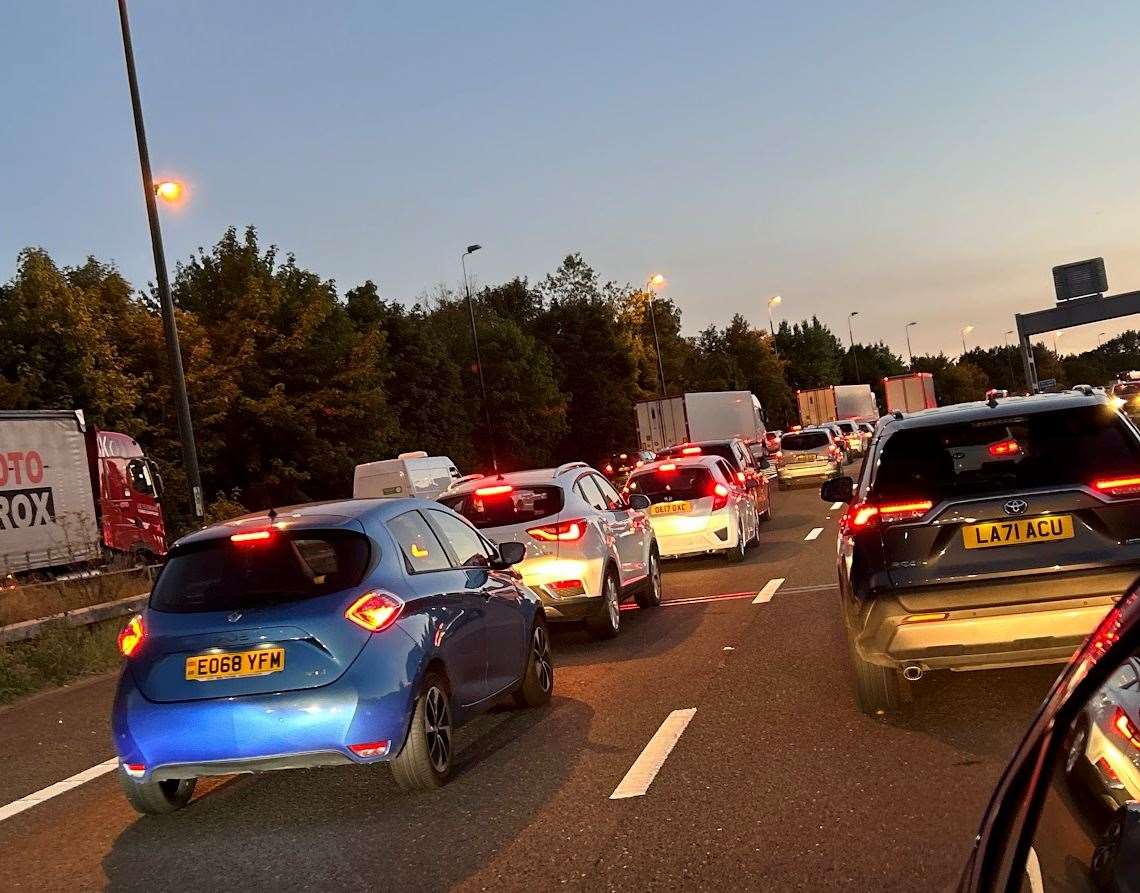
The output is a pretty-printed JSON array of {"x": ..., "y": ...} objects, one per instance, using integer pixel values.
[{"x": 706, "y": 415}]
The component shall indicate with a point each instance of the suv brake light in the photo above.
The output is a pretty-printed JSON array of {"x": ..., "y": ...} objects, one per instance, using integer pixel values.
[
  {"x": 690, "y": 450},
  {"x": 497, "y": 490},
  {"x": 866, "y": 515},
  {"x": 1127, "y": 486},
  {"x": 1005, "y": 448},
  {"x": 563, "y": 531}
]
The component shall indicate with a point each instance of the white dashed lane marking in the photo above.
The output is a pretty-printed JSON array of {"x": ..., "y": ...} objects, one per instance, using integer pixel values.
[
  {"x": 812, "y": 534},
  {"x": 765, "y": 594},
  {"x": 645, "y": 768},
  {"x": 835, "y": 506},
  {"x": 54, "y": 790}
]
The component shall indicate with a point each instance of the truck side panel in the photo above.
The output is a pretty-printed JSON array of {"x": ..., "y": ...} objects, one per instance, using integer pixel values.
[
  {"x": 47, "y": 508},
  {"x": 661, "y": 423},
  {"x": 856, "y": 401},
  {"x": 817, "y": 405},
  {"x": 713, "y": 415}
]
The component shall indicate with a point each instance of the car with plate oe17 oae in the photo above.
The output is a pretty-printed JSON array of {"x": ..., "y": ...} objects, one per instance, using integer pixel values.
[
  {"x": 588, "y": 548},
  {"x": 321, "y": 635},
  {"x": 985, "y": 535},
  {"x": 699, "y": 506}
]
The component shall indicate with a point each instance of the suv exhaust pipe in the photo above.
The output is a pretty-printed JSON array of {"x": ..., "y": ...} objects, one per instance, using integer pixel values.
[{"x": 912, "y": 672}]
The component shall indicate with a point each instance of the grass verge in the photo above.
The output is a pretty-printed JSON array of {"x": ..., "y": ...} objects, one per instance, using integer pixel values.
[
  {"x": 34, "y": 600},
  {"x": 60, "y": 654}
]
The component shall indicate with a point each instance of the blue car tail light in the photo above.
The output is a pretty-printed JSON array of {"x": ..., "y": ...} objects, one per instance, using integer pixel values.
[{"x": 375, "y": 611}]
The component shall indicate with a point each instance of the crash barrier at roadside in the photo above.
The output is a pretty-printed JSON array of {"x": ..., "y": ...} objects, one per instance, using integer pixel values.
[{"x": 85, "y": 616}]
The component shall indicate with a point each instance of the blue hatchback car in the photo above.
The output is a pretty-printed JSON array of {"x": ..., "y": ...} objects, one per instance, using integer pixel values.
[{"x": 334, "y": 633}]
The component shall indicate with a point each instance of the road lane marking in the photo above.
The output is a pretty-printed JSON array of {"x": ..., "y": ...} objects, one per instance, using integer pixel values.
[
  {"x": 821, "y": 587},
  {"x": 54, "y": 790},
  {"x": 812, "y": 534},
  {"x": 765, "y": 594},
  {"x": 835, "y": 506},
  {"x": 649, "y": 762}
]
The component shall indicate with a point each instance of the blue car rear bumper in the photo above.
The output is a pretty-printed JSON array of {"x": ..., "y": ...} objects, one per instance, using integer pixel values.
[{"x": 370, "y": 702}]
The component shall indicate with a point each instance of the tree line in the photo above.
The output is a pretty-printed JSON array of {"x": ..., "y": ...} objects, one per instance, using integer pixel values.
[{"x": 292, "y": 383}]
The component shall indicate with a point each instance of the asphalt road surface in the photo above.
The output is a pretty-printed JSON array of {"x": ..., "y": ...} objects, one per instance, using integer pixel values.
[{"x": 776, "y": 782}]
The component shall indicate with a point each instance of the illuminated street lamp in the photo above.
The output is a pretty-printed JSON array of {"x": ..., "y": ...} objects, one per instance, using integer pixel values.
[
  {"x": 151, "y": 191},
  {"x": 656, "y": 281},
  {"x": 965, "y": 331},
  {"x": 773, "y": 301},
  {"x": 170, "y": 191}
]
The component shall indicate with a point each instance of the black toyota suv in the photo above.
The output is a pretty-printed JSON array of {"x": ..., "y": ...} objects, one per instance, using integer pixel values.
[{"x": 985, "y": 535}]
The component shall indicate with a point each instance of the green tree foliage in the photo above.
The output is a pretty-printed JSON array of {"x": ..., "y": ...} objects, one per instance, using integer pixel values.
[
  {"x": 305, "y": 396},
  {"x": 811, "y": 351},
  {"x": 596, "y": 370}
]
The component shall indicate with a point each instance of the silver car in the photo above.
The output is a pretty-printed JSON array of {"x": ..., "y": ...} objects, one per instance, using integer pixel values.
[{"x": 811, "y": 456}]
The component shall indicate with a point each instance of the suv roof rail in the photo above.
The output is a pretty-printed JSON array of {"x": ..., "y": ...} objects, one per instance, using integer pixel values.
[
  {"x": 566, "y": 466},
  {"x": 463, "y": 480}
]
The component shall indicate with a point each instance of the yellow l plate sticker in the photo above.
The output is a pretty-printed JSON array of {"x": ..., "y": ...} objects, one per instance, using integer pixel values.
[{"x": 1018, "y": 533}]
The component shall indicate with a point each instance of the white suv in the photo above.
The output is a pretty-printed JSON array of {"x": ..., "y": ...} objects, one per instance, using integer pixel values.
[{"x": 587, "y": 548}]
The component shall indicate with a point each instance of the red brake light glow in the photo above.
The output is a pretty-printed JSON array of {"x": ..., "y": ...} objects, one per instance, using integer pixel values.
[
  {"x": 740, "y": 476},
  {"x": 609, "y": 469},
  {"x": 668, "y": 466},
  {"x": 131, "y": 636},
  {"x": 1005, "y": 448},
  {"x": 253, "y": 536},
  {"x": 1125, "y": 727},
  {"x": 690, "y": 450},
  {"x": 720, "y": 497},
  {"x": 865, "y": 515},
  {"x": 374, "y": 611},
  {"x": 563, "y": 531},
  {"x": 1126, "y": 486},
  {"x": 497, "y": 490}
]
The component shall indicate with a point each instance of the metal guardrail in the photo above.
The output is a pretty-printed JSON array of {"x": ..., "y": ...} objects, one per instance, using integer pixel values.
[{"x": 29, "y": 629}]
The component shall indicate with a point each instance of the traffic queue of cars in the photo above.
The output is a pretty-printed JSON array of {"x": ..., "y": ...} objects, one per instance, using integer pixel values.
[{"x": 367, "y": 630}]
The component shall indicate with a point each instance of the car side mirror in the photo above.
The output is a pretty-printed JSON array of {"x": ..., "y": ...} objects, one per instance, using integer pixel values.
[
  {"x": 751, "y": 484},
  {"x": 840, "y": 489},
  {"x": 765, "y": 464},
  {"x": 640, "y": 502},
  {"x": 509, "y": 554}
]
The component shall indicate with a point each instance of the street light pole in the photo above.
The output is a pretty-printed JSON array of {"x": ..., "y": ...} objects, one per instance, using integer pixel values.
[
  {"x": 910, "y": 353},
  {"x": 1009, "y": 359},
  {"x": 169, "y": 325},
  {"x": 772, "y": 302},
  {"x": 656, "y": 279},
  {"x": 1100, "y": 339},
  {"x": 965, "y": 331},
  {"x": 851, "y": 334},
  {"x": 471, "y": 249}
]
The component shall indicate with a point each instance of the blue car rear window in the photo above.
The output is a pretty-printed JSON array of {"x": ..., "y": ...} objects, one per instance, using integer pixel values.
[{"x": 222, "y": 575}]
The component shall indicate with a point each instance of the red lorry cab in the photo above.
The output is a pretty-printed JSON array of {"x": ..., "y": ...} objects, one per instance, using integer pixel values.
[{"x": 128, "y": 488}]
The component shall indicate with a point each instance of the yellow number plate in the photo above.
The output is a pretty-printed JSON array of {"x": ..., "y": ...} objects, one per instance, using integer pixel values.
[
  {"x": 1018, "y": 533},
  {"x": 232, "y": 664},
  {"x": 670, "y": 508}
]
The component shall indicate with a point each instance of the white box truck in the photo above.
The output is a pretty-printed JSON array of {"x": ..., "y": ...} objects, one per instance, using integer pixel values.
[
  {"x": 910, "y": 393},
  {"x": 47, "y": 502},
  {"x": 705, "y": 415},
  {"x": 409, "y": 474},
  {"x": 836, "y": 402},
  {"x": 856, "y": 401}
]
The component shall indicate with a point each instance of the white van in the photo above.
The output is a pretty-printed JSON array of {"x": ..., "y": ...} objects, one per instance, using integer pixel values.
[{"x": 409, "y": 474}]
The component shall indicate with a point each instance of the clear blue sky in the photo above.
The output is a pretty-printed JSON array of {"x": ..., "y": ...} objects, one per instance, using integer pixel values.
[{"x": 905, "y": 162}]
